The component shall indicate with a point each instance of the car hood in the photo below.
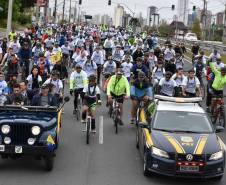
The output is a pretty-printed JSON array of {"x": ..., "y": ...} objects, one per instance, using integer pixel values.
[
  {"x": 38, "y": 118},
  {"x": 184, "y": 143}
]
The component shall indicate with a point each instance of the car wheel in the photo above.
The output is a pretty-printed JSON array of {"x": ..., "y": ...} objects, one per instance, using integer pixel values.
[
  {"x": 145, "y": 169},
  {"x": 218, "y": 178},
  {"x": 49, "y": 160}
]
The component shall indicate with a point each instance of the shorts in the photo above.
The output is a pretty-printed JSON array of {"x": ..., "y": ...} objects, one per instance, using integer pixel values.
[
  {"x": 119, "y": 98},
  {"x": 91, "y": 103}
]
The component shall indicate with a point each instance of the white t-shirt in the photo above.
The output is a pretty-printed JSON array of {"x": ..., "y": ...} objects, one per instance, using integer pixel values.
[
  {"x": 3, "y": 86},
  {"x": 191, "y": 84},
  {"x": 78, "y": 79},
  {"x": 109, "y": 67},
  {"x": 178, "y": 80},
  {"x": 57, "y": 83},
  {"x": 126, "y": 68},
  {"x": 219, "y": 66},
  {"x": 167, "y": 87},
  {"x": 30, "y": 80}
]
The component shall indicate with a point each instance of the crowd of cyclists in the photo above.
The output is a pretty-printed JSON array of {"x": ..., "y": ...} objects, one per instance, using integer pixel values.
[{"x": 38, "y": 65}]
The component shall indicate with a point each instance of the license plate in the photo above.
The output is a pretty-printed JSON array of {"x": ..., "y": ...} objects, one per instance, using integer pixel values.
[
  {"x": 2, "y": 148},
  {"x": 18, "y": 149},
  {"x": 189, "y": 168}
]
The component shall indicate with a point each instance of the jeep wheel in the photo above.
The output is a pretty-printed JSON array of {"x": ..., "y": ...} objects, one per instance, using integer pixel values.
[
  {"x": 145, "y": 169},
  {"x": 49, "y": 160}
]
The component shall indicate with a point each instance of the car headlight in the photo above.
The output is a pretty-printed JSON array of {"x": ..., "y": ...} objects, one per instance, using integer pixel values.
[
  {"x": 216, "y": 156},
  {"x": 5, "y": 129},
  {"x": 159, "y": 152},
  {"x": 35, "y": 130}
]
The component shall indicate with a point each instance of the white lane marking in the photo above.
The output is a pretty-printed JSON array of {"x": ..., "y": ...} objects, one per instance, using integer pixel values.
[{"x": 101, "y": 130}]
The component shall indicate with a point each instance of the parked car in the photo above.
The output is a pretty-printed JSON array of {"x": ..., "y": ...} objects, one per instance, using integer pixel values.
[{"x": 191, "y": 37}]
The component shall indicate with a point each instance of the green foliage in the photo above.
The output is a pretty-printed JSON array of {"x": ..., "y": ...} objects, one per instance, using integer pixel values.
[
  {"x": 165, "y": 30},
  {"x": 197, "y": 29}
]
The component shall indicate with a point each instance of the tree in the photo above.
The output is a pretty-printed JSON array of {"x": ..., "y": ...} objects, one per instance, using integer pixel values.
[
  {"x": 164, "y": 30},
  {"x": 196, "y": 28},
  {"x": 16, "y": 9}
]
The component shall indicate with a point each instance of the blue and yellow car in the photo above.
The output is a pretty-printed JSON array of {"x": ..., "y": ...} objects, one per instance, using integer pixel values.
[
  {"x": 180, "y": 140},
  {"x": 30, "y": 130}
]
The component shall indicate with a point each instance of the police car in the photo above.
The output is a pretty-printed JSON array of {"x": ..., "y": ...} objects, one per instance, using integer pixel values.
[{"x": 180, "y": 140}]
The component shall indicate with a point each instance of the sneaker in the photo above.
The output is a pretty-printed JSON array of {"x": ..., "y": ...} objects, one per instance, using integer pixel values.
[
  {"x": 132, "y": 121},
  {"x": 83, "y": 121},
  {"x": 74, "y": 111}
]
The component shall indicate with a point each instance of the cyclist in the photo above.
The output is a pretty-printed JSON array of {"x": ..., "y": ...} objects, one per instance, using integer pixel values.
[
  {"x": 159, "y": 71},
  {"x": 98, "y": 58},
  {"x": 214, "y": 56},
  {"x": 90, "y": 67},
  {"x": 78, "y": 80},
  {"x": 57, "y": 85},
  {"x": 109, "y": 66},
  {"x": 126, "y": 68},
  {"x": 191, "y": 85},
  {"x": 167, "y": 85},
  {"x": 219, "y": 82},
  {"x": 200, "y": 69},
  {"x": 140, "y": 91},
  {"x": 117, "y": 87},
  {"x": 91, "y": 97},
  {"x": 179, "y": 61},
  {"x": 34, "y": 80},
  {"x": 178, "y": 77},
  {"x": 139, "y": 66}
]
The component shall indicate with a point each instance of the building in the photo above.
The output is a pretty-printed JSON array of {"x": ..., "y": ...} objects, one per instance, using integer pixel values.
[
  {"x": 183, "y": 11},
  {"x": 118, "y": 16},
  {"x": 220, "y": 19},
  {"x": 105, "y": 19},
  {"x": 152, "y": 19},
  {"x": 178, "y": 29},
  {"x": 96, "y": 19}
]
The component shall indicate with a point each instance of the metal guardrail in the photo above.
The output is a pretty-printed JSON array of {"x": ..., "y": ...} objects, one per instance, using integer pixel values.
[{"x": 207, "y": 45}]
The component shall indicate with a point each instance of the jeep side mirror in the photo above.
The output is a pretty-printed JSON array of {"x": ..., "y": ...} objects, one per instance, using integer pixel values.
[
  {"x": 219, "y": 129},
  {"x": 66, "y": 99}
]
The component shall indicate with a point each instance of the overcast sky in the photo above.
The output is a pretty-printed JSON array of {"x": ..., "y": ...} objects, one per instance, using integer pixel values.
[{"x": 93, "y": 7}]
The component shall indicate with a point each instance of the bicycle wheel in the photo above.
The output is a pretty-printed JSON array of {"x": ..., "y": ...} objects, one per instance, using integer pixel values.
[
  {"x": 221, "y": 119},
  {"x": 116, "y": 126},
  {"x": 79, "y": 107},
  {"x": 88, "y": 123}
]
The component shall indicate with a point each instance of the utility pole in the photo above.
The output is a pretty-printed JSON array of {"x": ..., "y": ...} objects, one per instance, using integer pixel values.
[
  {"x": 204, "y": 20},
  {"x": 55, "y": 11},
  {"x": 9, "y": 20},
  {"x": 70, "y": 13},
  {"x": 63, "y": 10}
]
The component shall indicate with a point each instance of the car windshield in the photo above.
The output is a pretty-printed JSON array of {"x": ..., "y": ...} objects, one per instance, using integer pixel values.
[
  {"x": 191, "y": 35},
  {"x": 177, "y": 121}
]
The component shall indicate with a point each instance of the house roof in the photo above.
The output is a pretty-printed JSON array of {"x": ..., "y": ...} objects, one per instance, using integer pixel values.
[{"x": 180, "y": 25}]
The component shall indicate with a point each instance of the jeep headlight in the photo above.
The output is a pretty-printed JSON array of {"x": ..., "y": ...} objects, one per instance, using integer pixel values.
[
  {"x": 35, "y": 130},
  {"x": 5, "y": 129},
  {"x": 216, "y": 156},
  {"x": 160, "y": 153}
]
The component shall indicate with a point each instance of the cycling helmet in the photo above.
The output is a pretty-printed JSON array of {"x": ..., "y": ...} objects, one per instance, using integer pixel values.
[
  {"x": 41, "y": 54},
  {"x": 223, "y": 69},
  {"x": 78, "y": 66},
  {"x": 92, "y": 77},
  {"x": 55, "y": 73}
]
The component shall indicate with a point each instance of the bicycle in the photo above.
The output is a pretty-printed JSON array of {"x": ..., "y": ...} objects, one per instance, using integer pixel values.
[
  {"x": 218, "y": 110},
  {"x": 87, "y": 128},
  {"x": 114, "y": 112},
  {"x": 140, "y": 116},
  {"x": 79, "y": 108}
]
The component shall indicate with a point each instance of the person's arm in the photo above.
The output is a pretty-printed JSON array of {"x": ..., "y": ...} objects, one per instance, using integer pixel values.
[
  {"x": 213, "y": 68},
  {"x": 72, "y": 80},
  {"x": 127, "y": 87},
  {"x": 109, "y": 86}
]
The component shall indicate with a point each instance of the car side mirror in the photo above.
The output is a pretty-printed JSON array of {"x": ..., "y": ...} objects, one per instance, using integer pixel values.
[
  {"x": 66, "y": 99},
  {"x": 143, "y": 125},
  {"x": 219, "y": 129}
]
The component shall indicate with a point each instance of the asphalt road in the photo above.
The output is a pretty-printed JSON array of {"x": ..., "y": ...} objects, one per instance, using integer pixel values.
[{"x": 115, "y": 162}]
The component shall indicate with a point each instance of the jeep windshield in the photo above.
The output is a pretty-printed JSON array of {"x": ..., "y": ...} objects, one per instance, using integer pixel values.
[{"x": 178, "y": 121}]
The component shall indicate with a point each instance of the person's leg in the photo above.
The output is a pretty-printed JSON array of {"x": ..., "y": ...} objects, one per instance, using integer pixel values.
[
  {"x": 75, "y": 99},
  {"x": 93, "y": 122},
  {"x": 134, "y": 110},
  {"x": 84, "y": 112}
]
